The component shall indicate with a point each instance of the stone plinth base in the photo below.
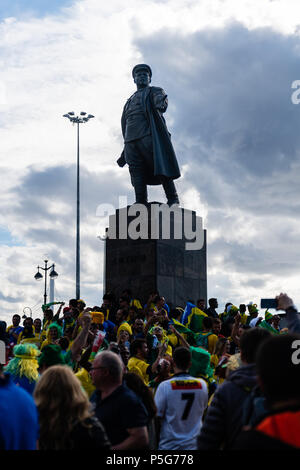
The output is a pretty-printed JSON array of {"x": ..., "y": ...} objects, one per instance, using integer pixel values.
[{"x": 157, "y": 260}]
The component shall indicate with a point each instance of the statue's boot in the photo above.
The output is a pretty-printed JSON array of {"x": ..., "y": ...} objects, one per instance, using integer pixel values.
[
  {"x": 170, "y": 190},
  {"x": 140, "y": 189}
]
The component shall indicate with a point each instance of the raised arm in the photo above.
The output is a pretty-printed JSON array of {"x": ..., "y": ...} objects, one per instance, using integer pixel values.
[
  {"x": 179, "y": 336},
  {"x": 80, "y": 340},
  {"x": 235, "y": 329},
  {"x": 285, "y": 303},
  {"x": 161, "y": 352}
]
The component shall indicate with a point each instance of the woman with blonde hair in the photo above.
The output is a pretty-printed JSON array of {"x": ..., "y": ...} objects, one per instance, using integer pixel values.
[{"x": 66, "y": 419}]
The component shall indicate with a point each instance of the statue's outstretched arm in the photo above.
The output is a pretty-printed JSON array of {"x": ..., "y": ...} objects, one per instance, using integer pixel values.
[{"x": 160, "y": 99}]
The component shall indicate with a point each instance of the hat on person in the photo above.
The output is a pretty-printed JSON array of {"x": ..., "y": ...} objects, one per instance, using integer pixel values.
[
  {"x": 200, "y": 362},
  {"x": 97, "y": 317},
  {"x": 252, "y": 307},
  {"x": 125, "y": 326},
  {"x": 25, "y": 362},
  {"x": 232, "y": 309},
  {"x": 51, "y": 355},
  {"x": 141, "y": 66},
  {"x": 268, "y": 315}
]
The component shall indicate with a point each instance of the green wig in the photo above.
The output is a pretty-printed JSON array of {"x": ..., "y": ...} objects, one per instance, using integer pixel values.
[
  {"x": 51, "y": 355},
  {"x": 58, "y": 329}
]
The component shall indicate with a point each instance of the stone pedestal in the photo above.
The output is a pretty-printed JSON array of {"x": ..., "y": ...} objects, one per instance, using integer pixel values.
[{"x": 156, "y": 259}]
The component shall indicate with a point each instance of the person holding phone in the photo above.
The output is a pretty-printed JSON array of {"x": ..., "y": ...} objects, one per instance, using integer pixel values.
[{"x": 286, "y": 303}]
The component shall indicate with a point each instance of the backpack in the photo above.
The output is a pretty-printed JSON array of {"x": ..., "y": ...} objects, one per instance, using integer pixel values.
[{"x": 255, "y": 408}]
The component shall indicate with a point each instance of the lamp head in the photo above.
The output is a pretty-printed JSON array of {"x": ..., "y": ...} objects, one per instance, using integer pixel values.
[
  {"x": 53, "y": 274},
  {"x": 38, "y": 276}
]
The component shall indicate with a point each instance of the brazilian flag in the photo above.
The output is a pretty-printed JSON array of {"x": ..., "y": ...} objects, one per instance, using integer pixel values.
[
  {"x": 193, "y": 317},
  {"x": 264, "y": 324},
  {"x": 188, "y": 335}
]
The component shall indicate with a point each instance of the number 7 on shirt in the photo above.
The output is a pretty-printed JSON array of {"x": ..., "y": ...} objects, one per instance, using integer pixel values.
[{"x": 189, "y": 397}]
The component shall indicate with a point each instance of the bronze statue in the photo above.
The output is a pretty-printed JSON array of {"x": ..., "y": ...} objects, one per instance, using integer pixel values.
[{"x": 148, "y": 150}]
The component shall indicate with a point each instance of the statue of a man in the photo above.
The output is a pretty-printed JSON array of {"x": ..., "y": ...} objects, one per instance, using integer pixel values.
[{"x": 148, "y": 150}]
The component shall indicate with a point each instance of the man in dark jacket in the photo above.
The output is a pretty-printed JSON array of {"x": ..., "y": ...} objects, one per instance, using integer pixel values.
[
  {"x": 148, "y": 150},
  {"x": 223, "y": 420},
  {"x": 278, "y": 370},
  {"x": 211, "y": 310}
]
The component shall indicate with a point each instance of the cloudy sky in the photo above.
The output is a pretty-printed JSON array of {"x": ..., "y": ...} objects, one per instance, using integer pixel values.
[{"x": 227, "y": 67}]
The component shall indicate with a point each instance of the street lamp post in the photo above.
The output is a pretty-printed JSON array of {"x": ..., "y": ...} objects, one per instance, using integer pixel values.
[
  {"x": 81, "y": 119},
  {"x": 39, "y": 276}
]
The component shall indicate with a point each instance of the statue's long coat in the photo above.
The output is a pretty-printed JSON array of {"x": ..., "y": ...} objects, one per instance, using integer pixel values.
[{"x": 165, "y": 161}]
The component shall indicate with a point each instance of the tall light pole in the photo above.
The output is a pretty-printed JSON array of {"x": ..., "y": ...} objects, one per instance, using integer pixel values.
[
  {"x": 39, "y": 276},
  {"x": 82, "y": 118}
]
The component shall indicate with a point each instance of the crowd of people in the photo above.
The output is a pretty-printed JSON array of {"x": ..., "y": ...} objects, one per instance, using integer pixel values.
[{"x": 123, "y": 376}]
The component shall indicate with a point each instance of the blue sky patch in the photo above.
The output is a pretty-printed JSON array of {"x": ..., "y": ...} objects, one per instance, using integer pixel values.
[
  {"x": 7, "y": 239},
  {"x": 38, "y": 8}
]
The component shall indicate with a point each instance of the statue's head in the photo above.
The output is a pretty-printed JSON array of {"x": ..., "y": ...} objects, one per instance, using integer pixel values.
[{"x": 142, "y": 74}]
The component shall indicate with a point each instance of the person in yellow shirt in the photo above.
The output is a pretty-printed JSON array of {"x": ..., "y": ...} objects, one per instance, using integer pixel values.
[
  {"x": 206, "y": 338},
  {"x": 40, "y": 334},
  {"x": 48, "y": 319},
  {"x": 28, "y": 333},
  {"x": 54, "y": 332},
  {"x": 157, "y": 332},
  {"x": 132, "y": 301},
  {"x": 138, "y": 360},
  {"x": 81, "y": 306}
]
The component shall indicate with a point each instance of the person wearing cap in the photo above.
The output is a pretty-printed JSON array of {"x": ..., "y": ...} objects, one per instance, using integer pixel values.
[
  {"x": 253, "y": 314},
  {"x": 267, "y": 323},
  {"x": 148, "y": 150}
]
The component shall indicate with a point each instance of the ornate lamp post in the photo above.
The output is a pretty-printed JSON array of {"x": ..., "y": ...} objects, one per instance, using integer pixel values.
[
  {"x": 81, "y": 119},
  {"x": 39, "y": 276}
]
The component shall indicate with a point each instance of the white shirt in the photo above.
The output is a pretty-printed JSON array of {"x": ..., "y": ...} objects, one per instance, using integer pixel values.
[{"x": 180, "y": 402}]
